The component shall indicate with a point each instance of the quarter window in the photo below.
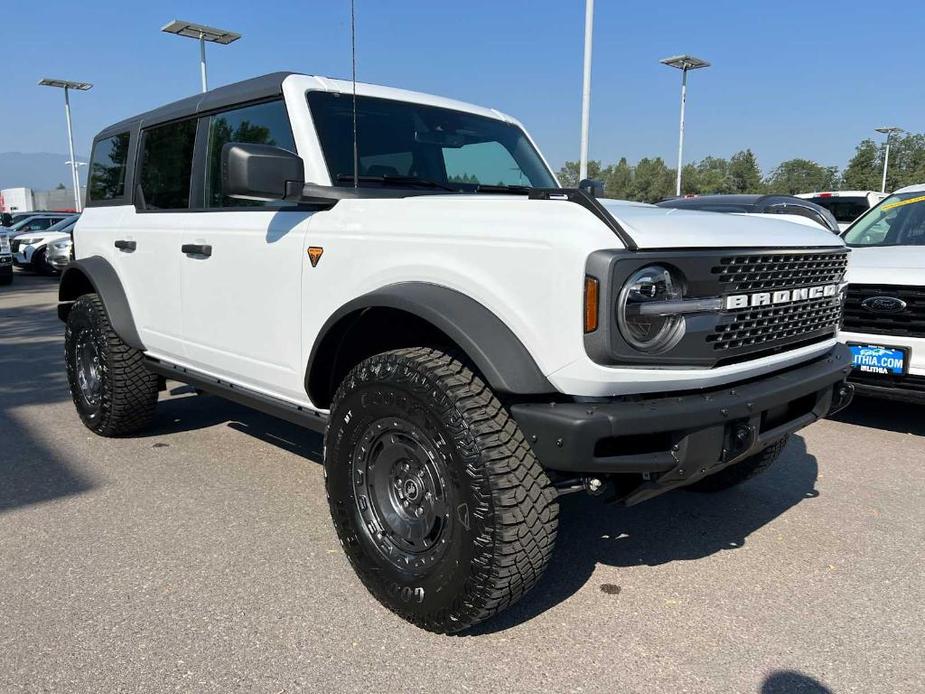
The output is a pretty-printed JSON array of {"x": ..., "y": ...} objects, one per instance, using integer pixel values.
[
  {"x": 107, "y": 168},
  {"x": 166, "y": 164},
  {"x": 264, "y": 124}
]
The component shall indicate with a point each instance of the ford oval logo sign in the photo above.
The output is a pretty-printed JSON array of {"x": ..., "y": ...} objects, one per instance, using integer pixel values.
[{"x": 884, "y": 304}]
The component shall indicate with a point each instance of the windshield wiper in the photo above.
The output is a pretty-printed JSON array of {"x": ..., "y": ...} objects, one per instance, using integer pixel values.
[
  {"x": 486, "y": 188},
  {"x": 398, "y": 180}
]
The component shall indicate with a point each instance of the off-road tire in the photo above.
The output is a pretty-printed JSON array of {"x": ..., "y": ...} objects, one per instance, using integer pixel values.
[
  {"x": 738, "y": 473},
  {"x": 128, "y": 391},
  {"x": 501, "y": 526}
]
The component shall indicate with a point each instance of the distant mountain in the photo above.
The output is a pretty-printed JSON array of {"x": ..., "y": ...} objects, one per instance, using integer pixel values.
[{"x": 37, "y": 170}]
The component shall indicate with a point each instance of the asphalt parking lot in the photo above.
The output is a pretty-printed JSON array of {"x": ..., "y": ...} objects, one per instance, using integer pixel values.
[{"x": 200, "y": 557}]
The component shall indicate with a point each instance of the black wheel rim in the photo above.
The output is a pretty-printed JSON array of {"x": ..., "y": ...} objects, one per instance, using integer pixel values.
[
  {"x": 89, "y": 369},
  {"x": 401, "y": 493}
]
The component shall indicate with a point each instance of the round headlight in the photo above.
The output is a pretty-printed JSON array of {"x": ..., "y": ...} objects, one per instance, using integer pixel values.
[{"x": 643, "y": 323}]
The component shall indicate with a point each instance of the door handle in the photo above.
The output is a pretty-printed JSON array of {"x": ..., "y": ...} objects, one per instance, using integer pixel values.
[
  {"x": 126, "y": 245},
  {"x": 196, "y": 249}
]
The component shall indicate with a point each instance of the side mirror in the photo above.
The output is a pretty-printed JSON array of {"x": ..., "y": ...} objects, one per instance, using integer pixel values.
[
  {"x": 592, "y": 187},
  {"x": 261, "y": 172}
]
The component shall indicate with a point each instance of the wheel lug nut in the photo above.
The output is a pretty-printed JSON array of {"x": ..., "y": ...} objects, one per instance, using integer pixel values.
[{"x": 419, "y": 512}]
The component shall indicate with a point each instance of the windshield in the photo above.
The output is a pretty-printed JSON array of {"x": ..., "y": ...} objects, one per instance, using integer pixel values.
[
  {"x": 845, "y": 209},
  {"x": 64, "y": 224},
  {"x": 897, "y": 221},
  {"x": 405, "y": 144}
]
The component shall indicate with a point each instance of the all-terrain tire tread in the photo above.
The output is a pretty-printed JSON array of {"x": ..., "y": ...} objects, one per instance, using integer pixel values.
[
  {"x": 522, "y": 501},
  {"x": 130, "y": 389}
]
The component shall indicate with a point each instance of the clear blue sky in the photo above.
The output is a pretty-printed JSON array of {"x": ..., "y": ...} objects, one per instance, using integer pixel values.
[{"x": 789, "y": 78}]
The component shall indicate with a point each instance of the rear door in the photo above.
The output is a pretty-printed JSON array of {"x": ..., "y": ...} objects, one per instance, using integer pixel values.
[
  {"x": 148, "y": 243},
  {"x": 241, "y": 276}
]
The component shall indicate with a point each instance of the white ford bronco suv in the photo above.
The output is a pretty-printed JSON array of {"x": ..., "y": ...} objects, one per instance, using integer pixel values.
[{"x": 403, "y": 273}]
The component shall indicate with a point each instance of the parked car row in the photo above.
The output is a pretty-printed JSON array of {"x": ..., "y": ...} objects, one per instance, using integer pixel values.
[{"x": 39, "y": 241}]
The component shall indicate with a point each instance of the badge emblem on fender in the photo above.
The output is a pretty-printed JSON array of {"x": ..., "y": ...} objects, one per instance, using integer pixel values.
[{"x": 314, "y": 254}]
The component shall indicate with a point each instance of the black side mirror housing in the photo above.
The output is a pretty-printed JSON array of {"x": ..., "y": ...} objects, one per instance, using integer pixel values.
[
  {"x": 261, "y": 172},
  {"x": 592, "y": 187}
]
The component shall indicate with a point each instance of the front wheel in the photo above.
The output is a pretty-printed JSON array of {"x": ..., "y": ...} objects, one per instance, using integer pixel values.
[{"x": 438, "y": 501}]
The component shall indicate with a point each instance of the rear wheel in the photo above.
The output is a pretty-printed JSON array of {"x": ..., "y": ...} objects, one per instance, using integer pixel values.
[
  {"x": 740, "y": 472},
  {"x": 441, "y": 507},
  {"x": 114, "y": 393}
]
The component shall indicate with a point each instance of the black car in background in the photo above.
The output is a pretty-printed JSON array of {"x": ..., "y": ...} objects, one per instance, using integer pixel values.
[{"x": 757, "y": 204}]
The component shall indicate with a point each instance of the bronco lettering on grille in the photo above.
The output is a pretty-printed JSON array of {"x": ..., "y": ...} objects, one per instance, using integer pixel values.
[{"x": 781, "y": 296}]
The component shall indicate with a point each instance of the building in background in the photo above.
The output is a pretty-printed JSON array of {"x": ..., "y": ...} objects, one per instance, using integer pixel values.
[{"x": 25, "y": 199}]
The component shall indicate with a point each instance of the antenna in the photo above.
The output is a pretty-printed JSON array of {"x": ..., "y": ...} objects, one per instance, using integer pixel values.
[{"x": 353, "y": 56}]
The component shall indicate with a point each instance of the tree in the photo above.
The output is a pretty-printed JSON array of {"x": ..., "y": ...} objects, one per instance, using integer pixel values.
[
  {"x": 618, "y": 183},
  {"x": 653, "y": 180},
  {"x": 744, "y": 174},
  {"x": 568, "y": 174},
  {"x": 907, "y": 162},
  {"x": 801, "y": 176},
  {"x": 713, "y": 176},
  {"x": 865, "y": 168},
  {"x": 60, "y": 186}
]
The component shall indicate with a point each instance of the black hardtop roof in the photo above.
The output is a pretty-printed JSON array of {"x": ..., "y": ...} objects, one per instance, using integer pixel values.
[{"x": 252, "y": 89}]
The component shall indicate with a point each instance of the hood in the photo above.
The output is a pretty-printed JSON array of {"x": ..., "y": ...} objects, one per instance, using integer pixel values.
[
  {"x": 887, "y": 265},
  {"x": 34, "y": 237},
  {"x": 662, "y": 227}
]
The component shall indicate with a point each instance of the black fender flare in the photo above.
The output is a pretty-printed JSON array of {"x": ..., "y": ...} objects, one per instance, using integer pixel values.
[
  {"x": 95, "y": 274},
  {"x": 485, "y": 339}
]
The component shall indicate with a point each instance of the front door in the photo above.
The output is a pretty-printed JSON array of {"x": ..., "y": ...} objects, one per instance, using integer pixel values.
[{"x": 241, "y": 270}]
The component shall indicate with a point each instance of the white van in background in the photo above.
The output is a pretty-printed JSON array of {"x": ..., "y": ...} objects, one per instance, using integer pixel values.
[{"x": 846, "y": 205}]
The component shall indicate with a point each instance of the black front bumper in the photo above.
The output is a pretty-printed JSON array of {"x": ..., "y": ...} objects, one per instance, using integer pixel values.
[
  {"x": 6, "y": 266},
  {"x": 676, "y": 439}
]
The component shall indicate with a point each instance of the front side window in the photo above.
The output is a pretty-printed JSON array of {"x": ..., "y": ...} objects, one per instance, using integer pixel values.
[
  {"x": 414, "y": 144},
  {"x": 166, "y": 164},
  {"x": 897, "y": 221},
  {"x": 107, "y": 168},
  {"x": 264, "y": 124}
]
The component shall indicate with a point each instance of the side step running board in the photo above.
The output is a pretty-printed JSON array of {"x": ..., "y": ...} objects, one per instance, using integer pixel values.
[{"x": 297, "y": 414}]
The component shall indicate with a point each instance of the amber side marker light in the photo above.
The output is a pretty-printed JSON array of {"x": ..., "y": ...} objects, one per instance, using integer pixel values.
[{"x": 591, "y": 292}]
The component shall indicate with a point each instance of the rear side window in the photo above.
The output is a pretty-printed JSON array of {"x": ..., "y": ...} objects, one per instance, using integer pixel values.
[
  {"x": 845, "y": 209},
  {"x": 166, "y": 164},
  {"x": 264, "y": 124},
  {"x": 107, "y": 168}
]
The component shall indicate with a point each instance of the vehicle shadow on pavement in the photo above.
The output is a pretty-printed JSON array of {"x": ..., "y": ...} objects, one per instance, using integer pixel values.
[
  {"x": 185, "y": 411},
  {"x": 876, "y": 413},
  {"x": 792, "y": 682},
  {"x": 31, "y": 375},
  {"x": 677, "y": 526}
]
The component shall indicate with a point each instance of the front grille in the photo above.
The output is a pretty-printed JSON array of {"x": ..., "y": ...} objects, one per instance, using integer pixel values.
[
  {"x": 14, "y": 245},
  {"x": 756, "y": 273},
  {"x": 752, "y": 327},
  {"x": 910, "y": 322}
]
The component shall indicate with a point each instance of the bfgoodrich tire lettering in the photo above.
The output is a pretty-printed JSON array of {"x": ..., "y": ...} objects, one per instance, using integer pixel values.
[
  {"x": 114, "y": 393},
  {"x": 454, "y": 459}
]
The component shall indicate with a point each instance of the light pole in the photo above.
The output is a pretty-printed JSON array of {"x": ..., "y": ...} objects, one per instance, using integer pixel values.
[
  {"x": 203, "y": 33},
  {"x": 67, "y": 85},
  {"x": 886, "y": 157},
  {"x": 586, "y": 92},
  {"x": 684, "y": 63}
]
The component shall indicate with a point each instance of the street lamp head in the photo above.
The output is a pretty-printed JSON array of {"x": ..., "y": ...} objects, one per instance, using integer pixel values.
[
  {"x": 200, "y": 31},
  {"x": 685, "y": 62},
  {"x": 889, "y": 130},
  {"x": 65, "y": 84}
]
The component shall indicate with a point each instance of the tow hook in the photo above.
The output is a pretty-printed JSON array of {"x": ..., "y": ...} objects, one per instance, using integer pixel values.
[
  {"x": 841, "y": 398},
  {"x": 592, "y": 485}
]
